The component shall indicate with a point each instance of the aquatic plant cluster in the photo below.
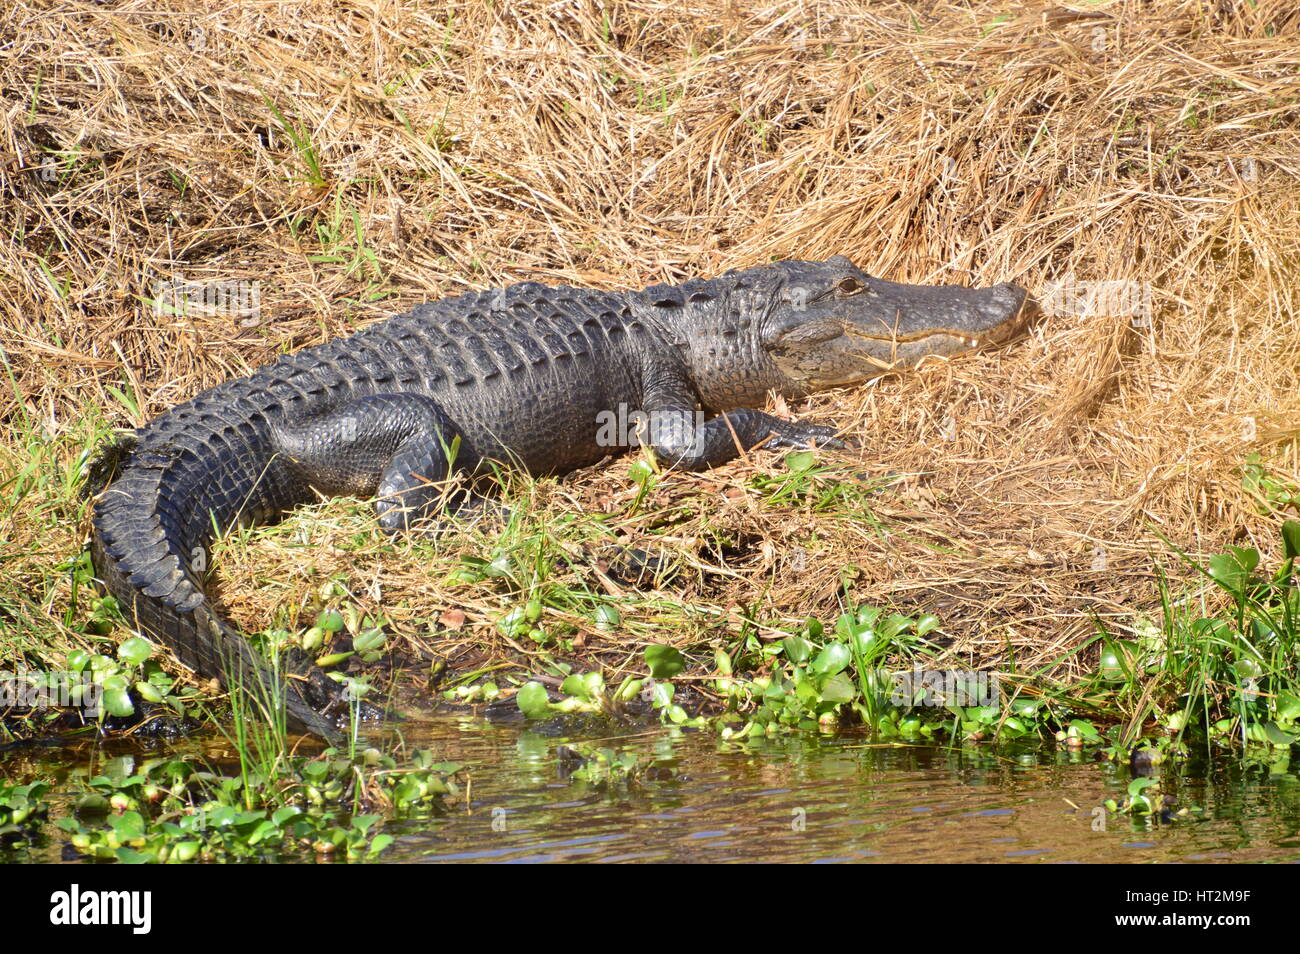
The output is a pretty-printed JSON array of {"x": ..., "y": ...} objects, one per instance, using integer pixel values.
[
  {"x": 168, "y": 810},
  {"x": 1224, "y": 680}
]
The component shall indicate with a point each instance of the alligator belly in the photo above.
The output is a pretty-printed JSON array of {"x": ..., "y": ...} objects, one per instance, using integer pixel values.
[{"x": 555, "y": 421}]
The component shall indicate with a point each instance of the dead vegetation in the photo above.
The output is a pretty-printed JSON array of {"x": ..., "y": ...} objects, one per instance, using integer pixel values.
[{"x": 1135, "y": 164}]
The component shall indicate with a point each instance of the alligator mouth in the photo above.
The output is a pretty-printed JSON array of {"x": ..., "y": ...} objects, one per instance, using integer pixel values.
[
  {"x": 1013, "y": 327},
  {"x": 892, "y": 351},
  {"x": 994, "y": 335}
]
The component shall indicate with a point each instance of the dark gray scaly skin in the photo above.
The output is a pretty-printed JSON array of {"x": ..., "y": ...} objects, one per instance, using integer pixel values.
[{"x": 520, "y": 375}]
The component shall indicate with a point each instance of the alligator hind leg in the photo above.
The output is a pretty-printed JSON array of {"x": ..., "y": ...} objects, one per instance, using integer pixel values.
[{"x": 400, "y": 448}]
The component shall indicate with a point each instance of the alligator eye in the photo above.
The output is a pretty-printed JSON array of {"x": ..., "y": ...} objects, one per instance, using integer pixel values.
[{"x": 849, "y": 286}]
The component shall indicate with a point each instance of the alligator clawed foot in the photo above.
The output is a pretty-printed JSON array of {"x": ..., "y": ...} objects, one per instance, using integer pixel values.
[
  {"x": 806, "y": 437},
  {"x": 368, "y": 712},
  {"x": 633, "y": 566},
  {"x": 325, "y": 696}
]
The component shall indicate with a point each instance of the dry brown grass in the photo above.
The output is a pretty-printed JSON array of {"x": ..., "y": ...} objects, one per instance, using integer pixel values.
[{"x": 618, "y": 144}]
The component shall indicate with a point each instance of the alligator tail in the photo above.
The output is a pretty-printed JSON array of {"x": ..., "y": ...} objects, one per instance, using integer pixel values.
[{"x": 153, "y": 524}]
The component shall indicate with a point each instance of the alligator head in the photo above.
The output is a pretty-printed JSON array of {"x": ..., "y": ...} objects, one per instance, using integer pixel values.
[{"x": 830, "y": 323}]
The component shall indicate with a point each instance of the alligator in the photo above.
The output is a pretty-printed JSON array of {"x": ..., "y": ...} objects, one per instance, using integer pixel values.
[{"x": 527, "y": 375}]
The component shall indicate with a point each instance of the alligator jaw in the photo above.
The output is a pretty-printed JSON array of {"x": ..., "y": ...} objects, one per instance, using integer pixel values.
[
  {"x": 870, "y": 327},
  {"x": 907, "y": 350}
]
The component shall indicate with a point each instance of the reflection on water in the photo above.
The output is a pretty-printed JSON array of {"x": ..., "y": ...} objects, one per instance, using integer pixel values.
[
  {"x": 832, "y": 799},
  {"x": 802, "y": 798}
]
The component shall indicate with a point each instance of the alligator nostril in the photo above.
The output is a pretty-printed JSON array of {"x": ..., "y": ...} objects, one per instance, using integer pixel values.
[{"x": 1005, "y": 300}]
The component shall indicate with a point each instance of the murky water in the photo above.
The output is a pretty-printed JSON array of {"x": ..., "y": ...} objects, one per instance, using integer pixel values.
[
  {"x": 811, "y": 799},
  {"x": 835, "y": 799}
]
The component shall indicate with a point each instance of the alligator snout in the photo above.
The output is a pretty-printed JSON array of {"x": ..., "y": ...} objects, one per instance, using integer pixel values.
[
  {"x": 1002, "y": 302},
  {"x": 1002, "y": 312},
  {"x": 872, "y": 326},
  {"x": 910, "y": 312},
  {"x": 918, "y": 320}
]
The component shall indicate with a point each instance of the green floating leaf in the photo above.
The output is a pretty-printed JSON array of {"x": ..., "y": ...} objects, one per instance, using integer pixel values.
[
  {"x": 1277, "y": 736},
  {"x": 186, "y": 850},
  {"x": 839, "y": 688},
  {"x": 587, "y": 686},
  {"x": 1288, "y": 707},
  {"x": 331, "y": 621},
  {"x": 333, "y": 659},
  {"x": 796, "y": 649},
  {"x": 927, "y": 624},
  {"x": 1113, "y": 664},
  {"x": 371, "y": 640},
  {"x": 117, "y": 702},
  {"x": 148, "y": 692},
  {"x": 533, "y": 701},
  {"x": 1013, "y": 726},
  {"x": 1087, "y": 730},
  {"x": 135, "y": 651},
  {"x": 1138, "y": 785},
  {"x": 664, "y": 661},
  {"x": 1026, "y": 708},
  {"x": 514, "y": 623},
  {"x": 1231, "y": 570},
  {"x": 640, "y": 471},
  {"x": 834, "y": 658}
]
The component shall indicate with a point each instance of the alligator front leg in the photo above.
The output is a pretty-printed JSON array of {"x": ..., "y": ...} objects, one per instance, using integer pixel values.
[
  {"x": 682, "y": 437},
  {"x": 399, "y": 447},
  {"x": 681, "y": 440}
]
